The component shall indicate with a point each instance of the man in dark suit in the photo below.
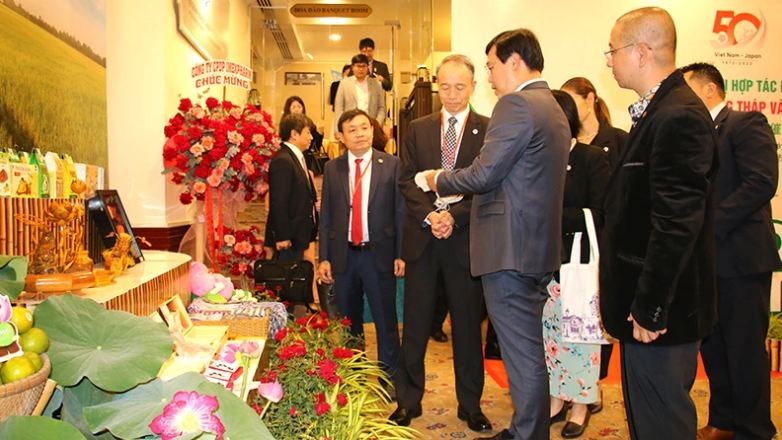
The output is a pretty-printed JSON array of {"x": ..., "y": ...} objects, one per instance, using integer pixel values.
[
  {"x": 293, "y": 221},
  {"x": 734, "y": 355},
  {"x": 377, "y": 69},
  {"x": 657, "y": 290},
  {"x": 436, "y": 246},
  {"x": 515, "y": 222},
  {"x": 362, "y": 253}
]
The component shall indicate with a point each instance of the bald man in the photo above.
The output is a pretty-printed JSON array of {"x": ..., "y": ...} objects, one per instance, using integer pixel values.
[{"x": 657, "y": 288}]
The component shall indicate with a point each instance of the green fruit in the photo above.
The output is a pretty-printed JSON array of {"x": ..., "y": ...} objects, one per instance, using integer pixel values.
[
  {"x": 16, "y": 369},
  {"x": 34, "y": 340},
  {"x": 22, "y": 319},
  {"x": 34, "y": 359},
  {"x": 215, "y": 298}
]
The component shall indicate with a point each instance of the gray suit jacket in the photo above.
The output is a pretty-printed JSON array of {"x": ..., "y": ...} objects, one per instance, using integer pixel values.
[
  {"x": 346, "y": 99},
  {"x": 385, "y": 212},
  {"x": 518, "y": 180}
]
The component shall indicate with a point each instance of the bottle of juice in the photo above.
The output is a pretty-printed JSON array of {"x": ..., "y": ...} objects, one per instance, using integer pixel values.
[{"x": 55, "y": 169}]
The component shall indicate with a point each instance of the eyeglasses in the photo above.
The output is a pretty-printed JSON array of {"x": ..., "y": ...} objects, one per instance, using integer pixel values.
[{"x": 610, "y": 53}]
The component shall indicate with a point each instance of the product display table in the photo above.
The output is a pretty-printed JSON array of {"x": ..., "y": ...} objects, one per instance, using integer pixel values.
[{"x": 142, "y": 288}]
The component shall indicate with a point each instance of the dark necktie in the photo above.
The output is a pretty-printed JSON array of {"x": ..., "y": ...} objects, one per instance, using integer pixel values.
[{"x": 448, "y": 158}]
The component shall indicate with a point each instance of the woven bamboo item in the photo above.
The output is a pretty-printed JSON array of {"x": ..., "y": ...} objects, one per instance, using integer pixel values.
[{"x": 20, "y": 398}]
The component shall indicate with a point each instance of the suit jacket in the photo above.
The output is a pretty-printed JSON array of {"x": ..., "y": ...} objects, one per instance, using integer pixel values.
[
  {"x": 333, "y": 93},
  {"x": 746, "y": 182},
  {"x": 612, "y": 140},
  {"x": 585, "y": 185},
  {"x": 657, "y": 259},
  {"x": 385, "y": 211},
  {"x": 381, "y": 68},
  {"x": 518, "y": 181},
  {"x": 347, "y": 100},
  {"x": 422, "y": 151},
  {"x": 291, "y": 202}
]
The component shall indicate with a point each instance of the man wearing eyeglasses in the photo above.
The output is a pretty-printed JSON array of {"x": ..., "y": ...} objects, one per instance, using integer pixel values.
[
  {"x": 518, "y": 180},
  {"x": 657, "y": 289}
]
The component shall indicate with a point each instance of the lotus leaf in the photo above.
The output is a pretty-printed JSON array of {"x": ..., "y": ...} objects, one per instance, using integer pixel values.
[
  {"x": 38, "y": 427},
  {"x": 129, "y": 414},
  {"x": 115, "y": 350},
  {"x": 13, "y": 271}
]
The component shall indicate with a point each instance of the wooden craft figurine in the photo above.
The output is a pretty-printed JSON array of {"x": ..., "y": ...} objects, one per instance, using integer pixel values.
[{"x": 118, "y": 258}]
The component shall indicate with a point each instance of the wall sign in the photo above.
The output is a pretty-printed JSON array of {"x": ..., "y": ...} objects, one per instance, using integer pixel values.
[
  {"x": 309, "y": 10},
  {"x": 303, "y": 78}
]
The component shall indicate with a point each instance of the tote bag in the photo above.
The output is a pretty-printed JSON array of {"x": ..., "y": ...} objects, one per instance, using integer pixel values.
[{"x": 579, "y": 289}]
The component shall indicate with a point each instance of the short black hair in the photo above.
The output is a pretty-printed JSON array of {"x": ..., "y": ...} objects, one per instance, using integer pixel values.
[
  {"x": 366, "y": 42},
  {"x": 521, "y": 41},
  {"x": 568, "y": 106},
  {"x": 359, "y": 59},
  {"x": 291, "y": 122},
  {"x": 349, "y": 115},
  {"x": 708, "y": 73}
]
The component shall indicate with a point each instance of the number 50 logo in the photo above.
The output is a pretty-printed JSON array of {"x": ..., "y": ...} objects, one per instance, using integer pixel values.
[{"x": 735, "y": 29}]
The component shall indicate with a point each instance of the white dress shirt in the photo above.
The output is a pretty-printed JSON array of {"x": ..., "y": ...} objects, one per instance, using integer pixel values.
[{"x": 362, "y": 95}]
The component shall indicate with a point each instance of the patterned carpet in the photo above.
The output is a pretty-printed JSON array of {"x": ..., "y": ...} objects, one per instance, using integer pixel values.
[{"x": 439, "y": 419}]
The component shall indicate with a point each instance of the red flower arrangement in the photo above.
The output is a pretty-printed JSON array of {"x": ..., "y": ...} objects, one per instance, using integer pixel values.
[
  {"x": 221, "y": 146},
  {"x": 239, "y": 249}
]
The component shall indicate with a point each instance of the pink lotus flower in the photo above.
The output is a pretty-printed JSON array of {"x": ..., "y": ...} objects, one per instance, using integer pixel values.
[
  {"x": 188, "y": 413},
  {"x": 271, "y": 391}
]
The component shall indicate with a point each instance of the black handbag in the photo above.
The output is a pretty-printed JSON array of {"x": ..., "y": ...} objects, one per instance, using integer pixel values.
[
  {"x": 327, "y": 298},
  {"x": 290, "y": 281}
]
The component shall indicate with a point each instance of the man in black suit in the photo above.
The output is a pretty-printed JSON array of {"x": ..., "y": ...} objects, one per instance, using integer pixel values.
[
  {"x": 436, "y": 246},
  {"x": 363, "y": 253},
  {"x": 515, "y": 229},
  {"x": 293, "y": 220},
  {"x": 734, "y": 355},
  {"x": 377, "y": 69},
  {"x": 657, "y": 289}
]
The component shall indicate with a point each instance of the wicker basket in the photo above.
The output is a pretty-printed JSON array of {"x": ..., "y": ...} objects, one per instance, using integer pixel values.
[
  {"x": 242, "y": 326},
  {"x": 19, "y": 398}
]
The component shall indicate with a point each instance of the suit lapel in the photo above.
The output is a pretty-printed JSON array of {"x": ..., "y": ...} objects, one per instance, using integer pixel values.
[
  {"x": 722, "y": 116},
  {"x": 377, "y": 169},
  {"x": 344, "y": 176},
  {"x": 472, "y": 133}
]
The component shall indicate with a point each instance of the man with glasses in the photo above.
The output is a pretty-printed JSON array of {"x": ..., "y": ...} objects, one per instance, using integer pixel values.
[
  {"x": 657, "y": 289},
  {"x": 358, "y": 91},
  {"x": 518, "y": 182}
]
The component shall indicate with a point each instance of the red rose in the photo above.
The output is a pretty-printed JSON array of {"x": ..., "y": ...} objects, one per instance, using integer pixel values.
[
  {"x": 177, "y": 121},
  {"x": 227, "y": 105},
  {"x": 182, "y": 142},
  {"x": 169, "y": 154},
  {"x": 212, "y": 103},
  {"x": 185, "y": 105},
  {"x": 203, "y": 170},
  {"x": 342, "y": 353},
  {"x": 170, "y": 130},
  {"x": 217, "y": 153},
  {"x": 181, "y": 162},
  {"x": 185, "y": 198},
  {"x": 177, "y": 178},
  {"x": 194, "y": 132},
  {"x": 342, "y": 399}
]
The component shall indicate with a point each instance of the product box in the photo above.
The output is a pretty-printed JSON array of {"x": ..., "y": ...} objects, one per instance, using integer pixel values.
[
  {"x": 24, "y": 180},
  {"x": 5, "y": 174}
]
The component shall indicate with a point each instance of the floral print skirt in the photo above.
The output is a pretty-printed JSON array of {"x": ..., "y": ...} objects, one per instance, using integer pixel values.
[{"x": 573, "y": 369}]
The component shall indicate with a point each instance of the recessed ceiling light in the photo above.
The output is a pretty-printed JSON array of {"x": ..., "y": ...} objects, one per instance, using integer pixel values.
[{"x": 335, "y": 37}]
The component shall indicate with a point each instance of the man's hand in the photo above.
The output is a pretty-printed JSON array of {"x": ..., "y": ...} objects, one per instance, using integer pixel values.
[
  {"x": 430, "y": 179},
  {"x": 443, "y": 228},
  {"x": 379, "y": 78},
  {"x": 643, "y": 335},
  {"x": 324, "y": 272},
  {"x": 282, "y": 245},
  {"x": 399, "y": 267}
]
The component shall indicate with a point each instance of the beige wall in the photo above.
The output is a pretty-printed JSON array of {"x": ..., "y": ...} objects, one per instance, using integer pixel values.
[{"x": 148, "y": 70}]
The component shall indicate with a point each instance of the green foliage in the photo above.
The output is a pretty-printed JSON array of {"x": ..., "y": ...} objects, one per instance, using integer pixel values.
[
  {"x": 775, "y": 325},
  {"x": 115, "y": 350},
  {"x": 36, "y": 427},
  {"x": 328, "y": 390},
  {"x": 51, "y": 96},
  {"x": 13, "y": 270}
]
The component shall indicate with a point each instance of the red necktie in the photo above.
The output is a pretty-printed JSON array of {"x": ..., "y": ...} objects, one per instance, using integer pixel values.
[{"x": 356, "y": 227}]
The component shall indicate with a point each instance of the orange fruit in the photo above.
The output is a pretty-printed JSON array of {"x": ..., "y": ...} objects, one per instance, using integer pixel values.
[
  {"x": 35, "y": 340},
  {"x": 16, "y": 369},
  {"x": 34, "y": 359},
  {"x": 22, "y": 319}
]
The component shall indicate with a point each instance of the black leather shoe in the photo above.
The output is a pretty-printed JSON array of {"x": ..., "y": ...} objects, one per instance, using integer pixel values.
[
  {"x": 502, "y": 435},
  {"x": 573, "y": 430},
  {"x": 561, "y": 415},
  {"x": 596, "y": 407},
  {"x": 476, "y": 421},
  {"x": 439, "y": 335},
  {"x": 403, "y": 416}
]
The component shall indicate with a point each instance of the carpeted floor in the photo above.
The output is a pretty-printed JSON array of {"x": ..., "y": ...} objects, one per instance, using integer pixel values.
[{"x": 439, "y": 419}]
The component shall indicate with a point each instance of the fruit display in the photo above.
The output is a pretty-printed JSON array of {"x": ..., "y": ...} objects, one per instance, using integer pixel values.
[{"x": 33, "y": 342}]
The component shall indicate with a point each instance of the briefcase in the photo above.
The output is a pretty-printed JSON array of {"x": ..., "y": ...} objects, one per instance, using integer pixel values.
[
  {"x": 327, "y": 298},
  {"x": 291, "y": 281}
]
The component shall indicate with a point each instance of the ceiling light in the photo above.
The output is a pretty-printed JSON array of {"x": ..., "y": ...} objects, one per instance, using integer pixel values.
[{"x": 335, "y": 37}]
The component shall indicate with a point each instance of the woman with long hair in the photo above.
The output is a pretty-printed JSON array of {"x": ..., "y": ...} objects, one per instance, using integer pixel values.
[{"x": 294, "y": 104}]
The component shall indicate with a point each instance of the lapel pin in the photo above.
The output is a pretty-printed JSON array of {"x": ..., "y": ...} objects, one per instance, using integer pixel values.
[
  {"x": 380, "y": 161},
  {"x": 474, "y": 131},
  {"x": 569, "y": 167}
]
